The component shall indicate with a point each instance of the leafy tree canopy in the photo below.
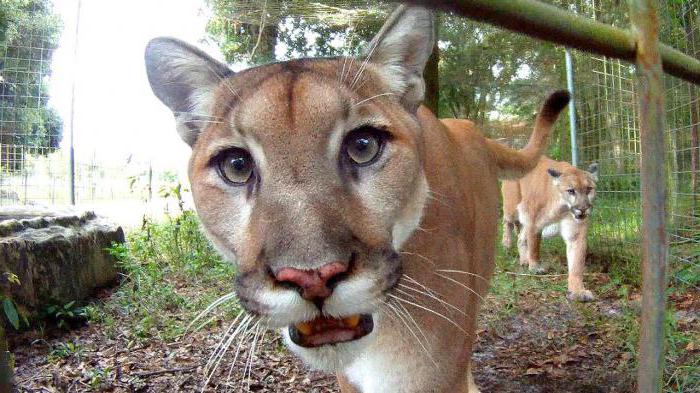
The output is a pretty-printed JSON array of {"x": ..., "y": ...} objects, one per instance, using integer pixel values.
[
  {"x": 250, "y": 30},
  {"x": 29, "y": 33}
]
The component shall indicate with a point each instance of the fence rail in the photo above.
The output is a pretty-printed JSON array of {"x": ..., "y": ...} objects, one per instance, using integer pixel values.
[{"x": 553, "y": 24}]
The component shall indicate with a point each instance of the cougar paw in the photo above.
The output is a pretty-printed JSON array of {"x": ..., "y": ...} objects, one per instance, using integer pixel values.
[
  {"x": 580, "y": 296},
  {"x": 539, "y": 269}
]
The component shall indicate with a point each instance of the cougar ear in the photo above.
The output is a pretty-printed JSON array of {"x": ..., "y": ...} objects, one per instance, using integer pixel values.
[
  {"x": 184, "y": 78},
  {"x": 402, "y": 48},
  {"x": 593, "y": 170},
  {"x": 554, "y": 174}
]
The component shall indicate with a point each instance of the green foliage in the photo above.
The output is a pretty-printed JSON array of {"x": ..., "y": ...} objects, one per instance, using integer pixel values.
[
  {"x": 159, "y": 262},
  {"x": 64, "y": 350},
  {"x": 240, "y": 41},
  {"x": 484, "y": 68},
  {"x": 173, "y": 189},
  {"x": 249, "y": 31},
  {"x": 65, "y": 316},
  {"x": 98, "y": 376},
  {"x": 29, "y": 33},
  {"x": 9, "y": 308},
  {"x": 687, "y": 275}
]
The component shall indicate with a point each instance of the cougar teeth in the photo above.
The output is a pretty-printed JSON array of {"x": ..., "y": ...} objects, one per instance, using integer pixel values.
[
  {"x": 309, "y": 327},
  {"x": 304, "y": 328},
  {"x": 352, "y": 321}
]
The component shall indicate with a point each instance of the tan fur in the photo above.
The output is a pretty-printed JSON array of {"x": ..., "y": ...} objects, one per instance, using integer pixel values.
[
  {"x": 418, "y": 225},
  {"x": 461, "y": 167},
  {"x": 539, "y": 200},
  {"x": 512, "y": 164}
]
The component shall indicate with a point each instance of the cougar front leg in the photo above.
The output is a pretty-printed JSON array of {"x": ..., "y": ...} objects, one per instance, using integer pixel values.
[
  {"x": 575, "y": 238},
  {"x": 529, "y": 248},
  {"x": 523, "y": 247},
  {"x": 508, "y": 228},
  {"x": 534, "y": 238}
]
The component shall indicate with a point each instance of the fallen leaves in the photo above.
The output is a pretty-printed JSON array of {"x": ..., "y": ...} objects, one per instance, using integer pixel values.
[{"x": 121, "y": 365}]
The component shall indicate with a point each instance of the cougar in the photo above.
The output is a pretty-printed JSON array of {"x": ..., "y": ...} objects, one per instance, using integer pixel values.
[{"x": 362, "y": 227}]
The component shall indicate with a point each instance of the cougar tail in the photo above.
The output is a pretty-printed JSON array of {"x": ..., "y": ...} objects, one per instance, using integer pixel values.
[{"x": 514, "y": 164}]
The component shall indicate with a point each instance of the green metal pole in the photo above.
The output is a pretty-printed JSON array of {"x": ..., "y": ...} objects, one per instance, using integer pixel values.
[
  {"x": 650, "y": 95},
  {"x": 572, "y": 106},
  {"x": 71, "y": 157},
  {"x": 551, "y": 23}
]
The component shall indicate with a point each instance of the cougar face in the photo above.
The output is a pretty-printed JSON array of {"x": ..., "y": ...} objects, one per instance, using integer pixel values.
[
  {"x": 576, "y": 189},
  {"x": 307, "y": 174},
  {"x": 301, "y": 177}
]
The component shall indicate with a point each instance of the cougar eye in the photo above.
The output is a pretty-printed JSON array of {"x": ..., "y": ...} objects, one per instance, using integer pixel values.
[
  {"x": 588, "y": 190},
  {"x": 571, "y": 191},
  {"x": 235, "y": 166},
  {"x": 363, "y": 145}
]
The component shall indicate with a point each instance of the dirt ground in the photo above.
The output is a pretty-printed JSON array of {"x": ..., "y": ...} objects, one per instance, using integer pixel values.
[
  {"x": 547, "y": 344},
  {"x": 549, "y": 347}
]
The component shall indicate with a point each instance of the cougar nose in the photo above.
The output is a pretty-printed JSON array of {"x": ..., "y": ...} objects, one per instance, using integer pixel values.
[{"x": 314, "y": 285}]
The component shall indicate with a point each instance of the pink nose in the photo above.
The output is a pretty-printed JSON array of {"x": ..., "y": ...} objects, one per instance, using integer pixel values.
[{"x": 313, "y": 284}]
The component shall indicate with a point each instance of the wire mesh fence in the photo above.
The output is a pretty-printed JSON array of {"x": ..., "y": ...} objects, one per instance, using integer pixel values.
[
  {"x": 682, "y": 29},
  {"x": 28, "y": 127},
  {"x": 609, "y": 135},
  {"x": 35, "y": 157},
  {"x": 42, "y": 178}
]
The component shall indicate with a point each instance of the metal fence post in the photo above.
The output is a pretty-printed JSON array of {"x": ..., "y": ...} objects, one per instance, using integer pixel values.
[
  {"x": 71, "y": 166},
  {"x": 650, "y": 92},
  {"x": 572, "y": 106}
]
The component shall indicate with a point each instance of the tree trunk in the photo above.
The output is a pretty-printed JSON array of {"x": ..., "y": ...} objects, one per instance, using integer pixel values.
[
  {"x": 432, "y": 80},
  {"x": 480, "y": 117},
  {"x": 264, "y": 42}
]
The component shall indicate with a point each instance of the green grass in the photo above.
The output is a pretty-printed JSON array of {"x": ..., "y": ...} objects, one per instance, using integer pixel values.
[
  {"x": 171, "y": 273},
  {"x": 614, "y": 249},
  {"x": 170, "y": 266}
]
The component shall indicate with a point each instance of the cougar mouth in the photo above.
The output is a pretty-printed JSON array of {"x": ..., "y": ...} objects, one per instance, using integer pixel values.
[
  {"x": 327, "y": 331},
  {"x": 580, "y": 216}
]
